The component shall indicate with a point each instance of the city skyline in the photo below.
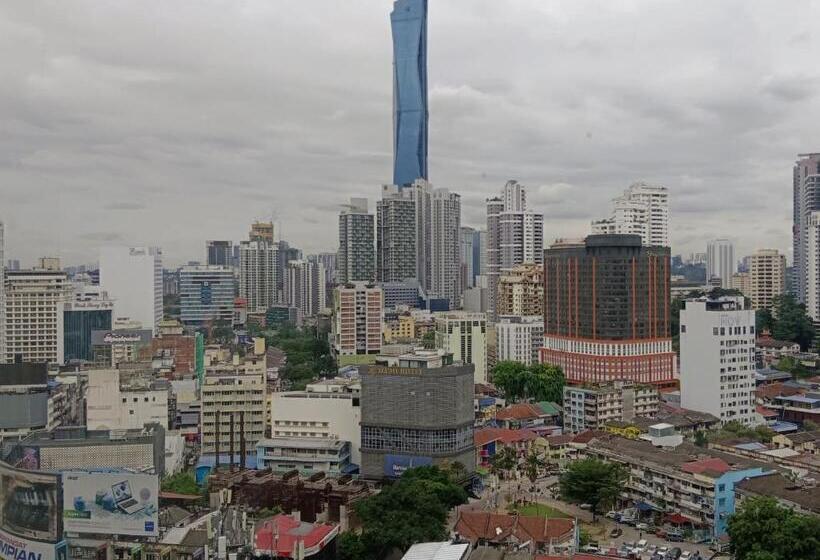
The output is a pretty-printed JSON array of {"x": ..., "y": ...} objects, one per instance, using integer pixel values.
[{"x": 147, "y": 148}]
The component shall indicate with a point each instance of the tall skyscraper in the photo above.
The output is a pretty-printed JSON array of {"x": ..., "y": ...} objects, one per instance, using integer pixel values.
[
  {"x": 259, "y": 274},
  {"x": 219, "y": 253},
  {"x": 607, "y": 311},
  {"x": 441, "y": 225},
  {"x": 396, "y": 235},
  {"x": 720, "y": 262},
  {"x": 767, "y": 277},
  {"x": 515, "y": 235},
  {"x": 408, "y": 21},
  {"x": 2, "y": 295},
  {"x": 357, "y": 319},
  {"x": 132, "y": 276},
  {"x": 468, "y": 264},
  {"x": 356, "y": 256},
  {"x": 642, "y": 210},
  {"x": 305, "y": 286},
  {"x": 806, "y": 199},
  {"x": 811, "y": 276}
]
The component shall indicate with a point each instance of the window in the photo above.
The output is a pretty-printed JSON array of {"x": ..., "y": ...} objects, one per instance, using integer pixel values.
[
  {"x": 683, "y": 328},
  {"x": 721, "y": 487}
]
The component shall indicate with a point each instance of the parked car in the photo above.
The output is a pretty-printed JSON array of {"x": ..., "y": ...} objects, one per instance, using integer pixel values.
[
  {"x": 674, "y": 537},
  {"x": 616, "y": 532},
  {"x": 642, "y": 544},
  {"x": 652, "y": 549},
  {"x": 642, "y": 526},
  {"x": 685, "y": 555},
  {"x": 663, "y": 550},
  {"x": 592, "y": 548},
  {"x": 674, "y": 554},
  {"x": 585, "y": 506},
  {"x": 611, "y": 514}
]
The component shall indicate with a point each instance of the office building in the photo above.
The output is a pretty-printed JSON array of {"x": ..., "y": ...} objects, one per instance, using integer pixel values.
[
  {"x": 806, "y": 201},
  {"x": 357, "y": 320},
  {"x": 767, "y": 277},
  {"x": 515, "y": 236},
  {"x": 261, "y": 231},
  {"x": 132, "y": 276},
  {"x": 607, "y": 311},
  {"x": 308, "y": 455},
  {"x": 519, "y": 338},
  {"x": 417, "y": 409},
  {"x": 717, "y": 358},
  {"x": 34, "y": 315},
  {"x": 220, "y": 253},
  {"x": 592, "y": 408},
  {"x": 89, "y": 310},
  {"x": 123, "y": 344},
  {"x": 464, "y": 335},
  {"x": 396, "y": 235},
  {"x": 112, "y": 404},
  {"x": 521, "y": 291},
  {"x": 720, "y": 262},
  {"x": 2, "y": 295},
  {"x": 405, "y": 293},
  {"x": 642, "y": 210},
  {"x": 356, "y": 260},
  {"x": 329, "y": 263},
  {"x": 408, "y": 21},
  {"x": 206, "y": 294},
  {"x": 258, "y": 274},
  {"x": 305, "y": 286},
  {"x": 470, "y": 255}
]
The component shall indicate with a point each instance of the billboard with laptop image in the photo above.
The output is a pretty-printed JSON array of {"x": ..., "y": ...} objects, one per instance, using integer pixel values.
[{"x": 110, "y": 503}]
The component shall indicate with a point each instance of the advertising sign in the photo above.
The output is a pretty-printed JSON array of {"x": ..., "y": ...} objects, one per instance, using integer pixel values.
[
  {"x": 29, "y": 508},
  {"x": 15, "y": 548},
  {"x": 395, "y": 465},
  {"x": 110, "y": 503},
  {"x": 139, "y": 336}
]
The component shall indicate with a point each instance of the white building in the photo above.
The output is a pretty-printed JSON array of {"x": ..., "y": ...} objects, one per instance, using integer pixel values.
[
  {"x": 518, "y": 338},
  {"x": 109, "y": 406},
  {"x": 720, "y": 261},
  {"x": 357, "y": 319},
  {"x": 717, "y": 353},
  {"x": 812, "y": 258},
  {"x": 464, "y": 335},
  {"x": 258, "y": 270},
  {"x": 133, "y": 277},
  {"x": 305, "y": 286},
  {"x": 642, "y": 210},
  {"x": 767, "y": 277},
  {"x": 2, "y": 295},
  {"x": 34, "y": 315},
  {"x": 319, "y": 414},
  {"x": 206, "y": 294}
]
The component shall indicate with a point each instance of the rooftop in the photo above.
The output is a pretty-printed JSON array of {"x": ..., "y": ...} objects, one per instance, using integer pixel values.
[
  {"x": 282, "y": 532},
  {"x": 499, "y": 527},
  {"x": 504, "y": 435},
  {"x": 437, "y": 551},
  {"x": 777, "y": 486}
]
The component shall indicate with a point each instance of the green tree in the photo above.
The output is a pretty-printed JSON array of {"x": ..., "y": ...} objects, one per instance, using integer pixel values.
[
  {"x": 593, "y": 482},
  {"x": 181, "y": 483},
  {"x": 509, "y": 377},
  {"x": 762, "y": 529},
  {"x": 532, "y": 466},
  {"x": 503, "y": 461},
  {"x": 791, "y": 321},
  {"x": 429, "y": 340},
  {"x": 764, "y": 320},
  {"x": 351, "y": 547},
  {"x": 538, "y": 382},
  {"x": 700, "y": 439}
]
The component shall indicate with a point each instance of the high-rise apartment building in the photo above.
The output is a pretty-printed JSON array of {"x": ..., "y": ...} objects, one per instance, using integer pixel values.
[
  {"x": 2, "y": 295},
  {"x": 261, "y": 231},
  {"x": 259, "y": 274},
  {"x": 515, "y": 235},
  {"x": 305, "y": 286},
  {"x": 396, "y": 235},
  {"x": 132, "y": 276},
  {"x": 741, "y": 282},
  {"x": 806, "y": 200},
  {"x": 521, "y": 291},
  {"x": 767, "y": 277},
  {"x": 468, "y": 263},
  {"x": 206, "y": 294},
  {"x": 219, "y": 253},
  {"x": 642, "y": 210},
  {"x": 464, "y": 335},
  {"x": 811, "y": 277},
  {"x": 357, "y": 319},
  {"x": 34, "y": 315},
  {"x": 408, "y": 21},
  {"x": 717, "y": 358},
  {"x": 720, "y": 262},
  {"x": 519, "y": 338},
  {"x": 356, "y": 260},
  {"x": 607, "y": 311}
]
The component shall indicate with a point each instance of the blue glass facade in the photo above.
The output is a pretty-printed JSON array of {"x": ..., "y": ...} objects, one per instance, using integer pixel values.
[
  {"x": 408, "y": 21},
  {"x": 77, "y": 327}
]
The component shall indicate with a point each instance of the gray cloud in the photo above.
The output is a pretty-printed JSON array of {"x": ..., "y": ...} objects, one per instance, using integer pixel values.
[{"x": 199, "y": 117}]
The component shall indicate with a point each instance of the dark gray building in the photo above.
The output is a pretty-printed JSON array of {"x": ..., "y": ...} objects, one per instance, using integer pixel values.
[
  {"x": 220, "y": 253},
  {"x": 356, "y": 259},
  {"x": 23, "y": 399},
  {"x": 396, "y": 235},
  {"x": 417, "y": 409}
]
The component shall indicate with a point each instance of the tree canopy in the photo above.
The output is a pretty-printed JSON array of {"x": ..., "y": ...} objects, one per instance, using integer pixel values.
[
  {"x": 308, "y": 354},
  {"x": 538, "y": 382},
  {"x": 594, "y": 482},
  {"x": 763, "y": 530},
  {"x": 787, "y": 321}
]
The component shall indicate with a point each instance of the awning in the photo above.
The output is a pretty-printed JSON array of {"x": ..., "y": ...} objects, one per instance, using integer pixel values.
[
  {"x": 643, "y": 506},
  {"x": 677, "y": 519}
]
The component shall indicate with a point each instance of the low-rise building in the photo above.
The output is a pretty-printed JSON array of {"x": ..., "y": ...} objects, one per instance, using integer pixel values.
[
  {"x": 529, "y": 415},
  {"x": 490, "y": 441},
  {"x": 111, "y": 405},
  {"x": 464, "y": 335},
  {"x": 518, "y": 338},
  {"x": 592, "y": 408},
  {"x": 500, "y": 530},
  {"x": 308, "y": 455},
  {"x": 801, "y": 496},
  {"x": 801, "y": 442}
]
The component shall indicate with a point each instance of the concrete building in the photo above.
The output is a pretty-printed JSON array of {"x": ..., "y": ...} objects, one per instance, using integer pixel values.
[
  {"x": 642, "y": 210},
  {"x": 356, "y": 260},
  {"x": 305, "y": 286},
  {"x": 521, "y": 291},
  {"x": 607, "y": 311},
  {"x": 2, "y": 295},
  {"x": 767, "y": 277},
  {"x": 24, "y": 399},
  {"x": 357, "y": 319},
  {"x": 464, "y": 335},
  {"x": 741, "y": 282},
  {"x": 259, "y": 274},
  {"x": 396, "y": 294},
  {"x": 515, "y": 235},
  {"x": 220, "y": 253},
  {"x": 469, "y": 263},
  {"x": 591, "y": 408},
  {"x": 133, "y": 277},
  {"x": 90, "y": 310},
  {"x": 206, "y": 294},
  {"x": 34, "y": 315},
  {"x": 112, "y": 405},
  {"x": 417, "y": 409},
  {"x": 308, "y": 455},
  {"x": 519, "y": 338},
  {"x": 261, "y": 231},
  {"x": 720, "y": 262},
  {"x": 806, "y": 201},
  {"x": 396, "y": 235},
  {"x": 717, "y": 352}
]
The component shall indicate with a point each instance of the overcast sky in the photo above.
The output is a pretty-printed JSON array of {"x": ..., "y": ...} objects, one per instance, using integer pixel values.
[{"x": 169, "y": 123}]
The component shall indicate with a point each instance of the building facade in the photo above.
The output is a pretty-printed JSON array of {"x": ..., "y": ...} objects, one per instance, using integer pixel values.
[
  {"x": 112, "y": 405},
  {"x": 519, "y": 338},
  {"x": 2, "y": 295},
  {"x": 464, "y": 335},
  {"x": 259, "y": 274},
  {"x": 767, "y": 277},
  {"x": 357, "y": 319},
  {"x": 408, "y": 22},
  {"x": 206, "y": 294},
  {"x": 90, "y": 310},
  {"x": 806, "y": 201},
  {"x": 439, "y": 265},
  {"x": 356, "y": 260},
  {"x": 521, "y": 291},
  {"x": 607, "y": 311},
  {"x": 219, "y": 253},
  {"x": 308, "y": 455},
  {"x": 305, "y": 286},
  {"x": 717, "y": 355},
  {"x": 396, "y": 235},
  {"x": 591, "y": 408},
  {"x": 132, "y": 276},
  {"x": 642, "y": 210},
  {"x": 720, "y": 262}
]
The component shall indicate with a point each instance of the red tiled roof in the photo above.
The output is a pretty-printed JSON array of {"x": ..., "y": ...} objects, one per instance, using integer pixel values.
[
  {"x": 713, "y": 464},
  {"x": 498, "y": 527},
  {"x": 486, "y": 435},
  {"x": 288, "y": 532},
  {"x": 769, "y": 342},
  {"x": 586, "y": 437},
  {"x": 560, "y": 440},
  {"x": 765, "y": 412},
  {"x": 776, "y": 390},
  {"x": 520, "y": 411}
]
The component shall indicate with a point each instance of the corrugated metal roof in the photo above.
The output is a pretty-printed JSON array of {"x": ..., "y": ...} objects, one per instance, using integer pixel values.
[{"x": 437, "y": 551}]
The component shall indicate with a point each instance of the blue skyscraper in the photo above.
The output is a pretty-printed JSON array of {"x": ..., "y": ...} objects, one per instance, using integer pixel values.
[{"x": 409, "y": 23}]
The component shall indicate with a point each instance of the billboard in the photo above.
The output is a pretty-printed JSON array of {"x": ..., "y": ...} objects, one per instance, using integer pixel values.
[
  {"x": 137, "y": 336},
  {"x": 15, "y": 548},
  {"x": 395, "y": 465},
  {"x": 110, "y": 503},
  {"x": 29, "y": 508}
]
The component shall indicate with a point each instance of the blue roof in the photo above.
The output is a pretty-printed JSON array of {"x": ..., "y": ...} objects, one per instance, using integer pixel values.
[
  {"x": 751, "y": 446},
  {"x": 782, "y": 427},
  {"x": 801, "y": 399},
  {"x": 224, "y": 460}
]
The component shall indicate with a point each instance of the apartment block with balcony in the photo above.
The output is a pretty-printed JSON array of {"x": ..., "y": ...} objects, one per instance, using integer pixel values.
[
  {"x": 308, "y": 455},
  {"x": 357, "y": 319},
  {"x": 591, "y": 408}
]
